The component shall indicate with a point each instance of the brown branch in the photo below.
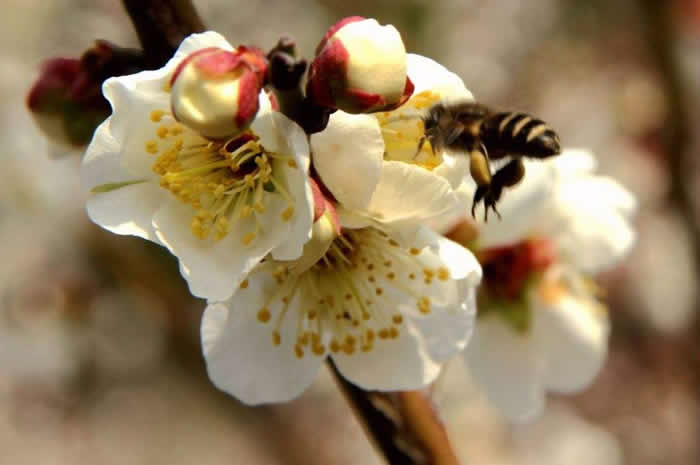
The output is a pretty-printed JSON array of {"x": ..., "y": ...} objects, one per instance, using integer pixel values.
[
  {"x": 161, "y": 25},
  {"x": 403, "y": 426},
  {"x": 677, "y": 132}
]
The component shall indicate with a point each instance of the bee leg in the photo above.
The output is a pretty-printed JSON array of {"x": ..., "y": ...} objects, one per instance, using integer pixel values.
[
  {"x": 421, "y": 142},
  {"x": 479, "y": 195},
  {"x": 480, "y": 170}
]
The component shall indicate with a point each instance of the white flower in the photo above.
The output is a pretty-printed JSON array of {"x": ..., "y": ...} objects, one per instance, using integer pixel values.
[
  {"x": 540, "y": 326},
  {"x": 220, "y": 207},
  {"x": 360, "y": 67},
  {"x": 388, "y": 312},
  {"x": 369, "y": 162}
]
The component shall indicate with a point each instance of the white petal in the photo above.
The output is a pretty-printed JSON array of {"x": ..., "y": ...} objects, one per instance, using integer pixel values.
[
  {"x": 523, "y": 208},
  {"x": 454, "y": 168},
  {"x": 241, "y": 358},
  {"x": 281, "y": 135},
  {"x": 574, "y": 162},
  {"x": 125, "y": 210},
  {"x": 348, "y": 157},
  {"x": 101, "y": 163},
  {"x": 128, "y": 210},
  {"x": 133, "y": 98},
  {"x": 597, "y": 232},
  {"x": 427, "y": 74},
  {"x": 572, "y": 336},
  {"x": 506, "y": 364},
  {"x": 214, "y": 269},
  {"x": 398, "y": 364},
  {"x": 409, "y": 192}
]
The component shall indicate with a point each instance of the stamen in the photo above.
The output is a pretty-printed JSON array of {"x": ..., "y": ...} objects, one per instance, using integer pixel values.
[{"x": 223, "y": 181}]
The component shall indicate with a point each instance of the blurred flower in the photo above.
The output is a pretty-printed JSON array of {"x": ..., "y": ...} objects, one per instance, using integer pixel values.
[
  {"x": 540, "y": 325},
  {"x": 388, "y": 311},
  {"x": 66, "y": 101},
  {"x": 215, "y": 91},
  {"x": 360, "y": 67},
  {"x": 219, "y": 206},
  {"x": 369, "y": 162}
]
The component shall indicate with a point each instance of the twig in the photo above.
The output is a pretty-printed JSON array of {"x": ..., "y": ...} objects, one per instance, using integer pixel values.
[
  {"x": 161, "y": 25},
  {"x": 403, "y": 426},
  {"x": 677, "y": 133}
]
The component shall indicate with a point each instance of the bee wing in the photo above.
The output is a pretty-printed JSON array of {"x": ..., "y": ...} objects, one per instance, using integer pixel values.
[{"x": 454, "y": 134}]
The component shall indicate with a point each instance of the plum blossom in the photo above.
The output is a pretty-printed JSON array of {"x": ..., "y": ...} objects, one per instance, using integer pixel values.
[
  {"x": 370, "y": 163},
  {"x": 387, "y": 310},
  {"x": 541, "y": 327},
  {"x": 219, "y": 205}
]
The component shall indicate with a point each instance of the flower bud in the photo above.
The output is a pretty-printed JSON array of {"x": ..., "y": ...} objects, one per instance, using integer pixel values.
[
  {"x": 360, "y": 67},
  {"x": 215, "y": 91}
]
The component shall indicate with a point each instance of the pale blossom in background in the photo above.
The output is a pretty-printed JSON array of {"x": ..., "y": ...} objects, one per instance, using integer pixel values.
[{"x": 541, "y": 327}]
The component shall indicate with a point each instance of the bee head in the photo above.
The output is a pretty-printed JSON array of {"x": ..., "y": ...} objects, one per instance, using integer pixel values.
[{"x": 432, "y": 128}]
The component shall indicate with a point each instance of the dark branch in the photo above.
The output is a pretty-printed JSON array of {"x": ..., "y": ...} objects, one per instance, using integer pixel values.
[
  {"x": 161, "y": 25},
  {"x": 403, "y": 426}
]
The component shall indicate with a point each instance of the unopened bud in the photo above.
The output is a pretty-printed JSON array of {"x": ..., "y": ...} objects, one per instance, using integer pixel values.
[
  {"x": 215, "y": 91},
  {"x": 360, "y": 67}
]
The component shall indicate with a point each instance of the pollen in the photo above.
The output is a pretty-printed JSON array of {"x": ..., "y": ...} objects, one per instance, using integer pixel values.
[
  {"x": 414, "y": 251},
  {"x": 287, "y": 213},
  {"x": 264, "y": 315},
  {"x": 424, "y": 305},
  {"x": 353, "y": 308},
  {"x": 162, "y": 132},
  {"x": 248, "y": 238},
  {"x": 152, "y": 147},
  {"x": 443, "y": 273},
  {"x": 157, "y": 115}
]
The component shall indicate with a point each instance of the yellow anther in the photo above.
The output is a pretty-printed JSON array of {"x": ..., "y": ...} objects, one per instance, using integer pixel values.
[
  {"x": 411, "y": 276},
  {"x": 248, "y": 238},
  {"x": 393, "y": 332},
  {"x": 393, "y": 243},
  {"x": 391, "y": 275},
  {"x": 244, "y": 284},
  {"x": 319, "y": 349},
  {"x": 259, "y": 207},
  {"x": 414, "y": 251},
  {"x": 276, "y": 338},
  {"x": 312, "y": 314},
  {"x": 157, "y": 115},
  {"x": 424, "y": 305},
  {"x": 397, "y": 319},
  {"x": 383, "y": 333},
  {"x": 292, "y": 164},
  {"x": 443, "y": 274},
  {"x": 379, "y": 291},
  {"x": 335, "y": 346},
  {"x": 299, "y": 351},
  {"x": 162, "y": 132},
  {"x": 287, "y": 213},
  {"x": 152, "y": 147},
  {"x": 264, "y": 315}
]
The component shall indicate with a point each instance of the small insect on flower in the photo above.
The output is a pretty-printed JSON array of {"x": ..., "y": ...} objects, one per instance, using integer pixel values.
[{"x": 485, "y": 135}]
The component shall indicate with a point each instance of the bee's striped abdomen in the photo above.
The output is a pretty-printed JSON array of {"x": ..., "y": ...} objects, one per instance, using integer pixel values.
[{"x": 513, "y": 133}]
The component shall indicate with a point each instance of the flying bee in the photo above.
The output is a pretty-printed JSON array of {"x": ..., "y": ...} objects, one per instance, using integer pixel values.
[{"x": 485, "y": 135}]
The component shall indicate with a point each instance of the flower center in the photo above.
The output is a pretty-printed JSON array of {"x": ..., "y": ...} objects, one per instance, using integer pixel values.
[
  {"x": 509, "y": 273},
  {"x": 224, "y": 181},
  {"x": 351, "y": 297},
  {"x": 403, "y": 128}
]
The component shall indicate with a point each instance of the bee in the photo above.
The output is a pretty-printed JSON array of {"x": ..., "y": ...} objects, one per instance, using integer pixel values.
[{"x": 485, "y": 135}]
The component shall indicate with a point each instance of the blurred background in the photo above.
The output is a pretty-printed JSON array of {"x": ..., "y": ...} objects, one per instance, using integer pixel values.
[{"x": 99, "y": 354}]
